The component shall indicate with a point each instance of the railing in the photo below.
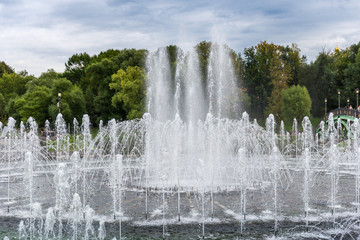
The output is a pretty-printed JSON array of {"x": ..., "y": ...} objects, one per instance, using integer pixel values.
[
  {"x": 339, "y": 112},
  {"x": 343, "y": 111}
]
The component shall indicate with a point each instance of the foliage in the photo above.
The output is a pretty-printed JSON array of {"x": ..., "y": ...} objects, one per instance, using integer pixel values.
[
  {"x": 2, "y": 109},
  {"x": 34, "y": 104},
  {"x": 280, "y": 75},
  {"x": 203, "y": 50},
  {"x": 95, "y": 83},
  {"x": 75, "y": 67},
  {"x": 269, "y": 68},
  {"x": 296, "y": 103},
  {"x": 13, "y": 85},
  {"x": 111, "y": 84},
  {"x": 5, "y": 69},
  {"x": 130, "y": 90}
]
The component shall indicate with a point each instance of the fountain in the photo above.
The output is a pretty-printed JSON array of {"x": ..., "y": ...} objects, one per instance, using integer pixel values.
[{"x": 191, "y": 167}]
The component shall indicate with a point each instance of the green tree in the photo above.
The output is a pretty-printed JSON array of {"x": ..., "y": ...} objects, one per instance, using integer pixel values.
[
  {"x": 3, "y": 116},
  {"x": 34, "y": 104},
  {"x": 319, "y": 79},
  {"x": 267, "y": 67},
  {"x": 257, "y": 76},
  {"x": 130, "y": 90},
  {"x": 75, "y": 67},
  {"x": 352, "y": 78},
  {"x": 12, "y": 85},
  {"x": 280, "y": 75},
  {"x": 291, "y": 55},
  {"x": 72, "y": 100},
  {"x": 98, "y": 94},
  {"x": 4, "y": 68},
  {"x": 296, "y": 103},
  {"x": 98, "y": 77},
  {"x": 172, "y": 52},
  {"x": 203, "y": 50}
]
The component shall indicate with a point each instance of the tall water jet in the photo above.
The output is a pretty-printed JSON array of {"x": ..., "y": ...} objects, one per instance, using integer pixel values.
[
  {"x": 282, "y": 136},
  {"x": 76, "y": 131},
  {"x": 295, "y": 133},
  {"x": 223, "y": 97},
  {"x": 179, "y": 82},
  {"x": 62, "y": 194},
  {"x": 160, "y": 102},
  {"x": 357, "y": 183},
  {"x": 306, "y": 198},
  {"x": 349, "y": 135},
  {"x": 29, "y": 182},
  {"x": 10, "y": 135},
  {"x": 85, "y": 131},
  {"x": 331, "y": 131},
  {"x": 275, "y": 159},
  {"x": 76, "y": 215},
  {"x": 37, "y": 223},
  {"x": 270, "y": 129},
  {"x": 50, "y": 221},
  {"x": 194, "y": 96},
  {"x": 60, "y": 135},
  {"x": 102, "y": 230},
  {"x": 308, "y": 139},
  {"x": 89, "y": 218},
  {"x": 334, "y": 176},
  {"x": 47, "y": 134},
  {"x": 76, "y": 168},
  {"x": 356, "y": 133},
  {"x": 242, "y": 176},
  {"x": 116, "y": 181},
  {"x": 22, "y": 230}
]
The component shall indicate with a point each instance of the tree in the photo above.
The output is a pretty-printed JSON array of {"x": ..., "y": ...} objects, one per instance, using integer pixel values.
[
  {"x": 203, "y": 50},
  {"x": 4, "y": 68},
  {"x": 72, "y": 100},
  {"x": 267, "y": 68},
  {"x": 291, "y": 55},
  {"x": 130, "y": 90},
  {"x": 98, "y": 94},
  {"x": 12, "y": 85},
  {"x": 352, "y": 77},
  {"x": 2, "y": 109},
  {"x": 98, "y": 77},
  {"x": 296, "y": 103},
  {"x": 280, "y": 75},
  {"x": 75, "y": 67},
  {"x": 34, "y": 104}
]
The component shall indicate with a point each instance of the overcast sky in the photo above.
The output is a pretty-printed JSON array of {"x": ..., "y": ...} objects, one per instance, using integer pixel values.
[{"x": 36, "y": 35}]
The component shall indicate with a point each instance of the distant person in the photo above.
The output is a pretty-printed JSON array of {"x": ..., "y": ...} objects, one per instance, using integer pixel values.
[
  {"x": 358, "y": 108},
  {"x": 350, "y": 107}
]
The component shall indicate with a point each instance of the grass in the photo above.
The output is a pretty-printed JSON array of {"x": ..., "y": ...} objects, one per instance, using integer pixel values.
[{"x": 288, "y": 126}]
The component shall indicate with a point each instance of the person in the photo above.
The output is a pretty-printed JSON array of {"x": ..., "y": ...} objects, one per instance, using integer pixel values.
[
  {"x": 359, "y": 108},
  {"x": 350, "y": 107}
]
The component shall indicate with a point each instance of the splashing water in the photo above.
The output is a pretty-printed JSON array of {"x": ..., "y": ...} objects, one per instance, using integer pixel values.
[{"x": 192, "y": 162}]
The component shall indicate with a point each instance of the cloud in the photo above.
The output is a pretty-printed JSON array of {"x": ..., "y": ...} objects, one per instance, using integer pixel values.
[{"x": 37, "y": 35}]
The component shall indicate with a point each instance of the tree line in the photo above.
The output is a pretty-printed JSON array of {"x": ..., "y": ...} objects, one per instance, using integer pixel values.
[{"x": 112, "y": 84}]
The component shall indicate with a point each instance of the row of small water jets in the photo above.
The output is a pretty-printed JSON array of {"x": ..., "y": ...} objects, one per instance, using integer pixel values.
[{"x": 167, "y": 157}]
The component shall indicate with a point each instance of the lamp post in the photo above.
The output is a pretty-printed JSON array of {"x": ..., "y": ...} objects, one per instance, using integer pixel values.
[
  {"x": 325, "y": 106},
  {"x": 59, "y": 101},
  {"x": 339, "y": 97},
  {"x": 347, "y": 100},
  {"x": 357, "y": 98}
]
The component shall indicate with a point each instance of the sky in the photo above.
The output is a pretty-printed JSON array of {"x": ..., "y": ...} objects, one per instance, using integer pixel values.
[{"x": 38, "y": 35}]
